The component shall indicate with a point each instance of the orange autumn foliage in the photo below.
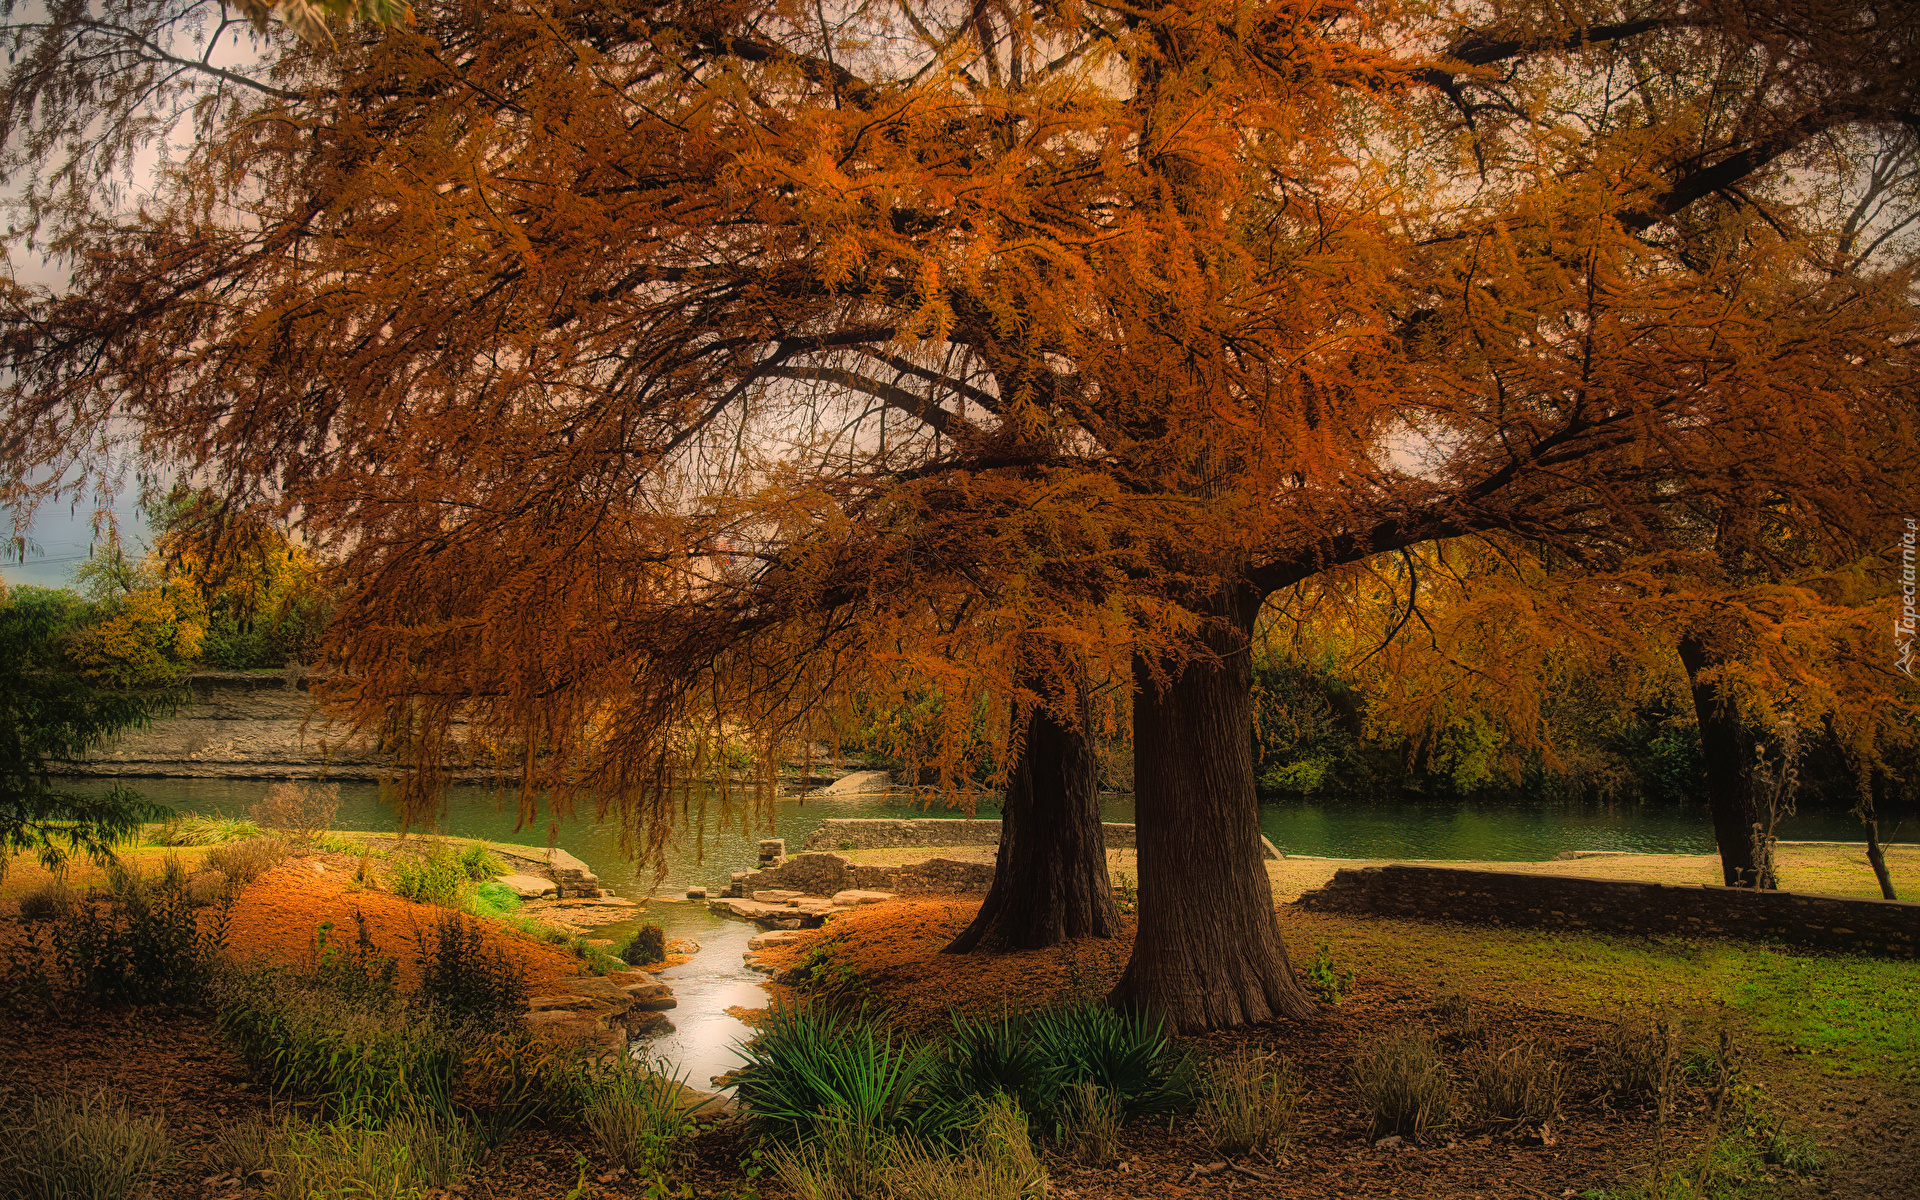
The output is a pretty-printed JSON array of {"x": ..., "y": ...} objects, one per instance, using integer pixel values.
[{"x": 687, "y": 367}]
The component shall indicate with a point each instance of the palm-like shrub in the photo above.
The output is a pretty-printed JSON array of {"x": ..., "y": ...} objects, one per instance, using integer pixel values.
[{"x": 810, "y": 1059}]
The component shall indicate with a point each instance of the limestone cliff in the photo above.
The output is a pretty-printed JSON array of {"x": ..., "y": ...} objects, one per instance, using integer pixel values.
[{"x": 240, "y": 724}]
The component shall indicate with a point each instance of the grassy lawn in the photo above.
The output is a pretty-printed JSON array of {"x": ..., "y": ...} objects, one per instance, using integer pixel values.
[{"x": 1832, "y": 870}]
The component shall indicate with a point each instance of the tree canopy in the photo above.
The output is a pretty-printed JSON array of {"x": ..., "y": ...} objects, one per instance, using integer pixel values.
[{"x": 654, "y": 365}]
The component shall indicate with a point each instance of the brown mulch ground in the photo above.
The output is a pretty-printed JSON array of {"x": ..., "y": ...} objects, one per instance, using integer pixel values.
[
  {"x": 169, "y": 1063},
  {"x": 275, "y": 919}
]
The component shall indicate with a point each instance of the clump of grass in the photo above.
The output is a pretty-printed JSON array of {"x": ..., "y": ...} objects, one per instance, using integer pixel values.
[
  {"x": 70, "y": 1146},
  {"x": 192, "y": 829},
  {"x": 1401, "y": 1083},
  {"x": 433, "y": 878},
  {"x": 46, "y": 902},
  {"x": 340, "y": 843},
  {"x": 639, "y": 1118},
  {"x": 345, "y": 1161},
  {"x": 1514, "y": 1081},
  {"x": 246, "y": 1146},
  {"x": 480, "y": 862},
  {"x": 844, "y": 1158},
  {"x": 1638, "y": 1059},
  {"x": 242, "y": 862},
  {"x": 494, "y": 899},
  {"x": 1247, "y": 1103},
  {"x": 365, "y": 1059},
  {"x": 647, "y": 945},
  {"x": 998, "y": 1162},
  {"x": 1089, "y": 1123}
]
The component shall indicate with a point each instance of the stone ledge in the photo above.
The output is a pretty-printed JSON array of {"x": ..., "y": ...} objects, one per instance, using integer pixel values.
[
  {"x": 883, "y": 833},
  {"x": 1888, "y": 928}
]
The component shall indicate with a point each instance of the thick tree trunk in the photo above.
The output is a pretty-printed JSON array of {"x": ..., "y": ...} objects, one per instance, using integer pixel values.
[
  {"x": 1208, "y": 953},
  {"x": 1050, "y": 876},
  {"x": 1723, "y": 751}
]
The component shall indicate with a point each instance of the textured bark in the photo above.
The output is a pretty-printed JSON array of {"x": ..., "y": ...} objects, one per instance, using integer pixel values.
[
  {"x": 1208, "y": 953},
  {"x": 1723, "y": 751},
  {"x": 1050, "y": 875},
  {"x": 1869, "y": 812}
]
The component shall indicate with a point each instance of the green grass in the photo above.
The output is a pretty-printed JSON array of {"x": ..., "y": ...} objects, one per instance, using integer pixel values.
[{"x": 1856, "y": 1015}]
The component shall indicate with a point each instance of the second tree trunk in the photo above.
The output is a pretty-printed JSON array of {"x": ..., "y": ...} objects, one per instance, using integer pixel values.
[
  {"x": 1050, "y": 875},
  {"x": 1208, "y": 953}
]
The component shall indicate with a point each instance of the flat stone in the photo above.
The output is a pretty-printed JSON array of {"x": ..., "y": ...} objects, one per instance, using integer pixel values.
[
  {"x": 760, "y": 941},
  {"x": 859, "y": 783},
  {"x": 528, "y": 887},
  {"x": 651, "y": 997},
  {"x": 597, "y": 986},
  {"x": 853, "y": 896},
  {"x": 777, "y": 897}
]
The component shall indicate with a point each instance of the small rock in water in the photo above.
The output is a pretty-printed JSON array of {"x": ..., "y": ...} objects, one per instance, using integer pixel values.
[{"x": 696, "y": 893}]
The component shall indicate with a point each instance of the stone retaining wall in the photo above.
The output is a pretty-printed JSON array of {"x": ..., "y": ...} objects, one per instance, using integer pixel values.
[
  {"x": 825, "y": 874},
  {"x": 1883, "y": 927}
]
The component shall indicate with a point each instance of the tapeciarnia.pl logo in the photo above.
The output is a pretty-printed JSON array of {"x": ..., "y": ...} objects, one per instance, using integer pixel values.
[{"x": 1903, "y": 625}]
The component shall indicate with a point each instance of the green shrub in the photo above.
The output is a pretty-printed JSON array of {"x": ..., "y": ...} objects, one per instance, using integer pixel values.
[
  {"x": 808, "y": 1059},
  {"x": 647, "y": 945},
  {"x": 1247, "y": 1103},
  {"x": 1402, "y": 1085},
  {"x": 640, "y": 1119},
  {"x": 191, "y": 829},
  {"x": 1513, "y": 1081},
  {"x": 433, "y": 878},
  {"x": 46, "y": 902},
  {"x": 462, "y": 978},
  {"x": 1125, "y": 1054},
  {"x": 244, "y": 861},
  {"x": 79, "y": 1147},
  {"x": 997, "y": 1056},
  {"x": 479, "y": 862},
  {"x": 1323, "y": 975},
  {"x": 145, "y": 947},
  {"x": 361, "y": 974}
]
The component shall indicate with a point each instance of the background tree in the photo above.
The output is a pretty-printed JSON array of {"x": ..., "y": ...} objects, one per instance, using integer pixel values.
[
  {"x": 50, "y": 713},
  {"x": 1044, "y": 319}
]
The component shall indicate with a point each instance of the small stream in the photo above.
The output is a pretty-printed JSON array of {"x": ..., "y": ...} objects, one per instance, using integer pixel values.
[{"x": 715, "y": 979}]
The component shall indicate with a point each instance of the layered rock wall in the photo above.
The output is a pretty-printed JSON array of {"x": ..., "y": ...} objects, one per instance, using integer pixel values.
[
  {"x": 240, "y": 725},
  {"x": 1883, "y": 927},
  {"x": 817, "y": 874}
]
